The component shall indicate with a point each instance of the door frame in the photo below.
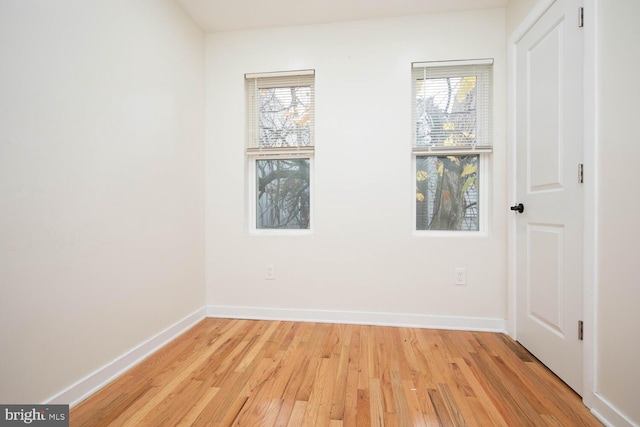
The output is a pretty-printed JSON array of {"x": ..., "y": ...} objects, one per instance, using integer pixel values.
[{"x": 589, "y": 396}]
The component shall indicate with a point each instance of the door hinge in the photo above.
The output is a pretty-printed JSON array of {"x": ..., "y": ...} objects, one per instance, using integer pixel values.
[
  {"x": 580, "y": 173},
  {"x": 580, "y": 330},
  {"x": 581, "y": 17}
]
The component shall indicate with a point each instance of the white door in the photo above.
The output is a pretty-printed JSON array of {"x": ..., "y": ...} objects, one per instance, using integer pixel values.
[{"x": 549, "y": 230}]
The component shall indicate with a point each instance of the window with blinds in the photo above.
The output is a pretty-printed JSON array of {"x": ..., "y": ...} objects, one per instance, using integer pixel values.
[
  {"x": 452, "y": 106},
  {"x": 280, "y": 147},
  {"x": 452, "y": 119},
  {"x": 280, "y": 112}
]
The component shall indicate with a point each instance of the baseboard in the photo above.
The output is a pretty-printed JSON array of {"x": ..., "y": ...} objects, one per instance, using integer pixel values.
[
  {"x": 101, "y": 377},
  {"x": 606, "y": 413},
  {"x": 362, "y": 318}
]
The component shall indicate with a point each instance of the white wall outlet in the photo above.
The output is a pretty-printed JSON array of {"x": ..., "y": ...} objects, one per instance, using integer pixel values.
[
  {"x": 270, "y": 271},
  {"x": 461, "y": 276}
]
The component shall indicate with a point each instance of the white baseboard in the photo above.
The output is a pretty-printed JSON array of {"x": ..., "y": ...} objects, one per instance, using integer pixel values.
[
  {"x": 101, "y": 377},
  {"x": 361, "y": 318},
  {"x": 606, "y": 413}
]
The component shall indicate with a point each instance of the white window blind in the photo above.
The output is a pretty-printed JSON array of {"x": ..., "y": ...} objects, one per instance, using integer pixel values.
[
  {"x": 280, "y": 113},
  {"x": 452, "y": 106}
]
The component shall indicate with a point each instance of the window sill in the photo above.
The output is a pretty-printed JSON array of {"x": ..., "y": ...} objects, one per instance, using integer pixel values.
[
  {"x": 450, "y": 234},
  {"x": 281, "y": 233}
]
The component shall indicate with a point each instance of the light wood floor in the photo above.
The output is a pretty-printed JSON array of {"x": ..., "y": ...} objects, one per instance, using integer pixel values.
[{"x": 264, "y": 373}]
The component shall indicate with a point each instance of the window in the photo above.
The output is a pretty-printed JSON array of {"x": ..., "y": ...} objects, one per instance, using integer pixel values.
[
  {"x": 280, "y": 147},
  {"x": 452, "y": 137}
]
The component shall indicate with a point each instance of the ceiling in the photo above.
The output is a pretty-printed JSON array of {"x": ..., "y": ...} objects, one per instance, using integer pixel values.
[{"x": 225, "y": 15}]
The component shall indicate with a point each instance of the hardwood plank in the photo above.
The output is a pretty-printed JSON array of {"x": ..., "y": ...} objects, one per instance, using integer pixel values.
[
  {"x": 341, "y": 377},
  {"x": 230, "y": 414},
  {"x": 441, "y": 408},
  {"x": 483, "y": 400},
  {"x": 194, "y": 412},
  {"x": 363, "y": 409},
  {"x": 226, "y": 372},
  {"x": 512, "y": 401},
  {"x": 136, "y": 415},
  {"x": 297, "y": 414},
  {"x": 299, "y": 365},
  {"x": 414, "y": 415},
  {"x": 567, "y": 400},
  {"x": 315, "y": 403},
  {"x": 351, "y": 391},
  {"x": 452, "y": 405},
  {"x": 375, "y": 403},
  {"x": 517, "y": 349}
]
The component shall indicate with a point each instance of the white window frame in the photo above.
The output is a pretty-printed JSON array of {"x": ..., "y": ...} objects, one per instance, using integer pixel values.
[
  {"x": 483, "y": 151},
  {"x": 254, "y": 152}
]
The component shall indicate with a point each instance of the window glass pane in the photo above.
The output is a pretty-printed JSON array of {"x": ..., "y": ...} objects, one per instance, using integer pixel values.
[
  {"x": 285, "y": 116},
  {"x": 446, "y": 111},
  {"x": 282, "y": 194},
  {"x": 447, "y": 193}
]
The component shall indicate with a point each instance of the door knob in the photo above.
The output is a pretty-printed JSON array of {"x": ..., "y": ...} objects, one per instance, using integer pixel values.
[{"x": 519, "y": 208}]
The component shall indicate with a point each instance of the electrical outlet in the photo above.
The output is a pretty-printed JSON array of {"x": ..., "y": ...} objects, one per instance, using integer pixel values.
[
  {"x": 270, "y": 271},
  {"x": 461, "y": 276}
]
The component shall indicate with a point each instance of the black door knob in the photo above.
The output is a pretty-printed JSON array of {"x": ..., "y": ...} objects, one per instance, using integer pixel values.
[{"x": 519, "y": 208}]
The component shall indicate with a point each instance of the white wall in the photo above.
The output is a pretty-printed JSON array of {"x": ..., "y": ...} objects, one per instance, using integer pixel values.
[
  {"x": 618, "y": 287},
  {"x": 362, "y": 256},
  {"x": 517, "y": 11},
  {"x": 101, "y": 184}
]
